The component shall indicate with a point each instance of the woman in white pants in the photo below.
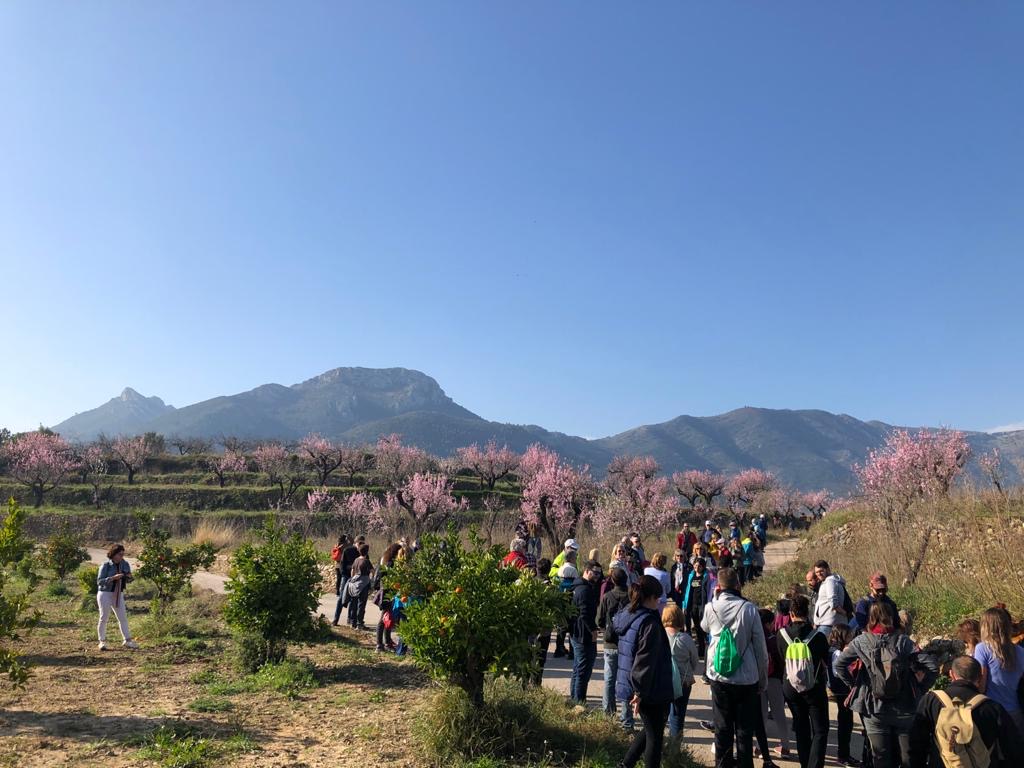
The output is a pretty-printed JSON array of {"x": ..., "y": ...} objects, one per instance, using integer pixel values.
[{"x": 114, "y": 575}]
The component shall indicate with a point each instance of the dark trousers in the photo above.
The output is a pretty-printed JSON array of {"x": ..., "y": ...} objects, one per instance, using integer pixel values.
[
  {"x": 357, "y": 607},
  {"x": 541, "y": 643},
  {"x": 560, "y": 642},
  {"x": 383, "y": 635},
  {"x": 844, "y": 728},
  {"x": 583, "y": 656},
  {"x": 677, "y": 713},
  {"x": 338, "y": 579},
  {"x": 650, "y": 739},
  {"x": 810, "y": 724},
  {"x": 341, "y": 591},
  {"x": 699, "y": 634},
  {"x": 736, "y": 710}
]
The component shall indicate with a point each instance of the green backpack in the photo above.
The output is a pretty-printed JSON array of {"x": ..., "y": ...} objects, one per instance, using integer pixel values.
[{"x": 728, "y": 659}]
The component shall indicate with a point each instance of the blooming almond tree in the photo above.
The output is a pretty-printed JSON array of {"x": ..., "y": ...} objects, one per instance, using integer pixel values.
[
  {"x": 40, "y": 460},
  {"x": 684, "y": 487},
  {"x": 700, "y": 483},
  {"x": 281, "y": 467},
  {"x": 490, "y": 464},
  {"x": 744, "y": 486},
  {"x": 320, "y": 455},
  {"x": 132, "y": 452},
  {"x": 319, "y": 501},
  {"x": 634, "y": 498},
  {"x": 556, "y": 496},
  {"x": 908, "y": 468},
  {"x": 428, "y": 501},
  {"x": 394, "y": 463},
  {"x": 227, "y": 462}
]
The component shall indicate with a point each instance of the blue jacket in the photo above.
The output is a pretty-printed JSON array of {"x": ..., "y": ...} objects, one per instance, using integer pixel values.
[
  {"x": 645, "y": 657},
  {"x": 108, "y": 569}
]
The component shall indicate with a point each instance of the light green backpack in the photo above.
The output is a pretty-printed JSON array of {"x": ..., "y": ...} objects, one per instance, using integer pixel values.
[{"x": 728, "y": 659}]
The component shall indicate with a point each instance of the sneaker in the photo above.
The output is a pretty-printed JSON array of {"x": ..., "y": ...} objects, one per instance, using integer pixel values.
[
  {"x": 707, "y": 725},
  {"x": 131, "y": 644},
  {"x": 103, "y": 646},
  {"x": 381, "y": 649},
  {"x": 783, "y": 753},
  {"x": 850, "y": 762}
]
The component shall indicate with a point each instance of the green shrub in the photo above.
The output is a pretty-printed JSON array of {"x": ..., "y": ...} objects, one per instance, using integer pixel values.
[
  {"x": 178, "y": 747},
  {"x": 273, "y": 588},
  {"x": 210, "y": 704},
  {"x": 469, "y": 616},
  {"x": 57, "y": 589},
  {"x": 16, "y": 615},
  {"x": 63, "y": 551},
  {"x": 170, "y": 570},
  {"x": 87, "y": 576}
]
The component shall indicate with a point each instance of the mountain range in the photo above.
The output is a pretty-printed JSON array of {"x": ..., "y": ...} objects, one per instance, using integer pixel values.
[{"x": 807, "y": 449}]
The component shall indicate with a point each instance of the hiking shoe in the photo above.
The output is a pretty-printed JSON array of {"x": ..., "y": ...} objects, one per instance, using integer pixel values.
[
  {"x": 103, "y": 646},
  {"x": 707, "y": 725},
  {"x": 783, "y": 753},
  {"x": 381, "y": 649},
  {"x": 131, "y": 644}
]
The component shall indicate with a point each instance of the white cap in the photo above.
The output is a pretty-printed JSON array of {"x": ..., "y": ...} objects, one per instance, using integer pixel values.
[
  {"x": 572, "y": 544},
  {"x": 568, "y": 571},
  {"x": 707, "y": 522}
]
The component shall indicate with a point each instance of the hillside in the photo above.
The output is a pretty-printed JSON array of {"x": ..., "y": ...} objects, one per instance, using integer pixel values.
[{"x": 805, "y": 448}]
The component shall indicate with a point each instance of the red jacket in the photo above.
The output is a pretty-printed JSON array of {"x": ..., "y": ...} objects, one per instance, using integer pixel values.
[
  {"x": 686, "y": 544},
  {"x": 516, "y": 559}
]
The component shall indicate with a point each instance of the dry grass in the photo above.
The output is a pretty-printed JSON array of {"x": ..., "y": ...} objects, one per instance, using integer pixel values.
[{"x": 223, "y": 534}]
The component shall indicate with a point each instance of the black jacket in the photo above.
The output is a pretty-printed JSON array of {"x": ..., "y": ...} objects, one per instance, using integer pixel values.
[
  {"x": 675, "y": 594},
  {"x": 348, "y": 556},
  {"x": 989, "y": 718},
  {"x": 614, "y": 600},
  {"x": 819, "y": 648},
  {"x": 584, "y": 597}
]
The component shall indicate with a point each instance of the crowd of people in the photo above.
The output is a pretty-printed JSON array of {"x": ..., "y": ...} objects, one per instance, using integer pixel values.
[{"x": 664, "y": 623}]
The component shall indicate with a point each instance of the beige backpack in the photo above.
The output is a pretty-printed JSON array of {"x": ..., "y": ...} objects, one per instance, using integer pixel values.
[{"x": 959, "y": 742}]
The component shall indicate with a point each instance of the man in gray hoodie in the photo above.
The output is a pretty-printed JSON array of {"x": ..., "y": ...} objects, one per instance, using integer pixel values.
[
  {"x": 833, "y": 605},
  {"x": 736, "y": 699}
]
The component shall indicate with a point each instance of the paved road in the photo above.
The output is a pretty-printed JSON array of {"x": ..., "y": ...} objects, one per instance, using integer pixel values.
[{"x": 558, "y": 671}]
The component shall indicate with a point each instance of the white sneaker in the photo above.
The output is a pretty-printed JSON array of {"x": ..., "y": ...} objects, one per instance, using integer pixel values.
[
  {"x": 103, "y": 646},
  {"x": 131, "y": 644}
]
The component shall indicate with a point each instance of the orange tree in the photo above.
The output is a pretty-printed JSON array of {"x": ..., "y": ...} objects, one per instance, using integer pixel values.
[{"x": 467, "y": 616}]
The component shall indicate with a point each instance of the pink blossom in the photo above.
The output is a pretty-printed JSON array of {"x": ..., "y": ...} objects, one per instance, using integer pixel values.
[
  {"x": 744, "y": 486},
  {"x": 700, "y": 484},
  {"x": 490, "y": 464},
  {"x": 556, "y": 496},
  {"x": 132, "y": 452},
  {"x": 427, "y": 499},
  {"x": 41, "y": 461},
  {"x": 395, "y": 463},
  {"x": 321, "y": 455},
  {"x": 319, "y": 501},
  {"x": 634, "y": 498}
]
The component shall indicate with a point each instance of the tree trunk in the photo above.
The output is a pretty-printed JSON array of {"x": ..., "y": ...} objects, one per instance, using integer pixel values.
[
  {"x": 131, "y": 475},
  {"x": 914, "y": 566},
  {"x": 37, "y": 494}
]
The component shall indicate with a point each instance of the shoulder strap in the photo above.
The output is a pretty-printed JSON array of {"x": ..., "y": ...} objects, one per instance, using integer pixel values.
[
  {"x": 944, "y": 698},
  {"x": 785, "y": 636},
  {"x": 976, "y": 701}
]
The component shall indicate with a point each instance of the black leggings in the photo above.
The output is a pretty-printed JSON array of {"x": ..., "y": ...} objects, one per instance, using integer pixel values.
[
  {"x": 383, "y": 634},
  {"x": 649, "y": 741}
]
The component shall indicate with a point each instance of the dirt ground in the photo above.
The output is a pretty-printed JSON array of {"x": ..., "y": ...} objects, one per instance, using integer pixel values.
[{"x": 86, "y": 707}]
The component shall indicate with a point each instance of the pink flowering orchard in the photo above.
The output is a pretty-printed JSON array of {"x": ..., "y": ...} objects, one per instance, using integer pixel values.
[
  {"x": 394, "y": 463},
  {"x": 635, "y": 498},
  {"x": 281, "y": 467},
  {"x": 41, "y": 461},
  {"x": 556, "y": 496},
  {"x": 743, "y": 487},
  {"x": 490, "y": 464},
  {"x": 225, "y": 464},
  {"x": 320, "y": 455},
  {"x": 132, "y": 452},
  {"x": 703, "y": 484}
]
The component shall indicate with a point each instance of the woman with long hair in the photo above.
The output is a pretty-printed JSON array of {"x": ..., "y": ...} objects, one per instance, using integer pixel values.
[
  {"x": 644, "y": 676},
  {"x": 1002, "y": 664},
  {"x": 684, "y": 663}
]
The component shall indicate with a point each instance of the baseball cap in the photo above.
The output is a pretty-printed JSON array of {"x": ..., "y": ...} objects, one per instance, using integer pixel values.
[
  {"x": 572, "y": 544},
  {"x": 878, "y": 581}
]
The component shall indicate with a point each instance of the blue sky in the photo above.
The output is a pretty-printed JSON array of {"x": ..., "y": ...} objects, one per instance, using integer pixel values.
[{"x": 583, "y": 215}]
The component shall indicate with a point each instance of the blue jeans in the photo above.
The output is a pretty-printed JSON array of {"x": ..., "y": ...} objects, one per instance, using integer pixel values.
[
  {"x": 611, "y": 670},
  {"x": 677, "y": 712},
  {"x": 583, "y": 657}
]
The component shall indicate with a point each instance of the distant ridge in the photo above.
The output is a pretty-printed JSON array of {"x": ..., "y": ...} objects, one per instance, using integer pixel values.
[{"x": 804, "y": 448}]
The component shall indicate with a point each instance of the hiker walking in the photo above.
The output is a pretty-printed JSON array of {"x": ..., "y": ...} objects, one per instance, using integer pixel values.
[
  {"x": 961, "y": 728},
  {"x": 772, "y": 697},
  {"x": 839, "y": 691},
  {"x": 584, "y": 630},
  {"x": 878, "y": 592},
  {"x": 645, "y": 670},
  {"x": 737, "y": 667},
  {"x": 349, "y": 554},
  {"x": 111, "y": 580},
  {"x": 1002, "y": 664},
  {"x": 890, "y": 675},
  {"x": 805, "y": 651},
  {"x": 699, "y": 591},
  {"x": 684, "y": 663},
  {"x": 833, "y": 605},
  {"x": 613, "y": 601}
]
